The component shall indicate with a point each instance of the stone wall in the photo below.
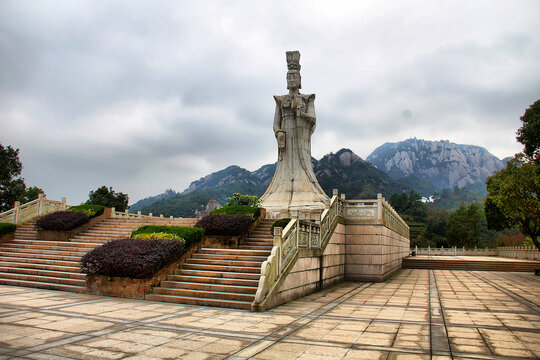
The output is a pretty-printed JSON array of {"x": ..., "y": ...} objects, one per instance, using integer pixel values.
[
  {"x": 373, "y": 252},
  {"x": 307, "y": 275}
]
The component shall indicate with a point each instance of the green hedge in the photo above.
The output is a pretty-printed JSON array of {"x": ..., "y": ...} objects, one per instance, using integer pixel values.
[
  {"x": 254, "y": 212},
  {"x": 279, "y": 223},
  {"x": 191, "y": 235},
  {"x": 90, "y": 210},
  {"x": 7, "y": 228}
]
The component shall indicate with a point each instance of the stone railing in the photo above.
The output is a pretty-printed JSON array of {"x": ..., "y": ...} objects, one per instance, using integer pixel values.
[
  {"x": 32, "y": 209},
  {"x": 288, "y": 241},
  {"x": 138, "y": 215},
  {"x": 519, "y": 252},
  {"x": 377, "y": 211}
]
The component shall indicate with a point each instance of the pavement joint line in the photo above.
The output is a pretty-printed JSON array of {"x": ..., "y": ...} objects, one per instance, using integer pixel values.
[
  {"x": 442, "y": 314},
  {"x": 345, "y": 296},
  {"x": 513, "y": 295},
  {"x": 52, "y": 307},
  {"x": 506, "y": 327}
]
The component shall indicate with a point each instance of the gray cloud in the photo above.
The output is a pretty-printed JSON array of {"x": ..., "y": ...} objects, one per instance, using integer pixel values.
[{"x": 144, "y": 97}]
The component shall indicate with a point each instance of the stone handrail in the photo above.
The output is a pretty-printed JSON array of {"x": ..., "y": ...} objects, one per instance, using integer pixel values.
[
  {"x": 377, "y": 211},
  {"x": 516, "y": 252},
  {"x": 32, "y": 209},
  {"x": 138, "y": 215},
  {"x": 390, "y": 218},
  {"x": 287, "y": 243}
]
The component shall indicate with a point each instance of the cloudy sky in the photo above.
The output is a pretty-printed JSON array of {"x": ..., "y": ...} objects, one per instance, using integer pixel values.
[{"x": 149, "y": 95}]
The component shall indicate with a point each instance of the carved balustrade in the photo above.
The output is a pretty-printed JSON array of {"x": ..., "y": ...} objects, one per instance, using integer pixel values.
[{"x": 32, "y": 209}]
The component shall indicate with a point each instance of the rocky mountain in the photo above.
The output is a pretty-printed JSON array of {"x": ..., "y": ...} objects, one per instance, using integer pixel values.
[
  {"x": 230, "y": 175},
  {"x": 344, "y": 170},
  {"x": 354, "y": 177},
  {"x": 441, "y": 163}
]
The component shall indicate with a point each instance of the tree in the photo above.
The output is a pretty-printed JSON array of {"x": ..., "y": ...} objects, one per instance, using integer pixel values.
[
  {"x": 465, "y": 226},
  {"x": 30, "y": 194},
  {"x": 513, "y": 198},
  {"x": 109, "y": 198},
  {"x": 529, "y": 132},
  {"x": 11, "y": 185}
]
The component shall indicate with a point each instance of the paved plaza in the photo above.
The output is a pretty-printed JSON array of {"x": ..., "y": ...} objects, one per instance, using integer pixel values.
[{"x": 417, "y": 314}]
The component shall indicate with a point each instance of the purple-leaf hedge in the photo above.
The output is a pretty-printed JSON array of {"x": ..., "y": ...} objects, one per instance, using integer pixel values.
[
  {"x": 61, "y": 221},
  {"x": 226, "y": 225},
  {"x": 131, "y": 258}
]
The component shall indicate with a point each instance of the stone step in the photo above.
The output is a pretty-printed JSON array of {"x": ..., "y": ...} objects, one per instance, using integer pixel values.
[
  {"x": 217, "y": 274},
  {"x": 471, "y": 265},
  {"x": 245, "y": 305},
  {"x": 204, "y": 294},
  {"x": 265, "y": 253},
  {"x": 258, "y": 243},
  {"x": 30, "y": 255},
  {"x": 229, "y": 257},
  {"x": 36, "y": 265},
  {"x": 48, "y": 245},
  {"x": 223, "y": 268},
  {"x": 212, "y": 287},
  {"x": 255, "y": 247},
  {"x": 43, "y": 285},
  {"x": 213, "y": 280},
  {"x": 42, "y": 272},
  {"x": 41, "y": 279},
  {"x": 220, "y": 262},
  {"x": 37, "y": 261},
  {"x": 38, "y": 252}
]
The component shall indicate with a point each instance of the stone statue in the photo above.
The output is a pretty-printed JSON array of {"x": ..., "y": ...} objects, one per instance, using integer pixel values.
[{"x": 294, "y": 186}]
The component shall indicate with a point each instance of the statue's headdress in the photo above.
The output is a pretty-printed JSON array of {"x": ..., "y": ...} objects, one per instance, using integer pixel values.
[{"x": 293, "y": 60}]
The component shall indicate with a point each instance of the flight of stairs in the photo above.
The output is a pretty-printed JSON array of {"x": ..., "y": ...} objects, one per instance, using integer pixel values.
[
  {"x": 472, "y": 265},
  {"x": 220, "y": 277},
  {"x": 26, "y": 261}
]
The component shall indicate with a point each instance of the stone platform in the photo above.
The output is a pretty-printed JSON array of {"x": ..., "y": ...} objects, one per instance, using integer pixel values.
[{"x": 416, "y": 314}]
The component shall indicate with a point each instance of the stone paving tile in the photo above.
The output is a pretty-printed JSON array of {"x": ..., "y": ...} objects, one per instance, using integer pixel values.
[{"x": 485, "y": 315}]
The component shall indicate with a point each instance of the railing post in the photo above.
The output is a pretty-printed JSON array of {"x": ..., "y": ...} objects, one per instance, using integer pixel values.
[
  {"x": 64, "y": 203},
  {"x": 40, "y": 204},
  {"x": 379, "y": 208},
  {"x": 113, "y": 212},
  {"x": 16, "y": 213},
  {"x": 335, "y": 192},
  {"x": 278, "y": 232},
  {"x": 150, "y": 214},
  {"x": 139, "y": 213}
]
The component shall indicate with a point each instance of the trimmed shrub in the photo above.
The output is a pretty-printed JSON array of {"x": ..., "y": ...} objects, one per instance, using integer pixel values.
[
  {"x": 243, "y": 199},
  {"x": 226, "y": 225},
  {"x": 90, "y": 210},
  {"x": 279, "y": 223},
  {"x": 7, "y": 228},
  {"x": 191, "y": 235},
  {"x": 61, "y": 220},
  {"x": 254, "y": 212},
  {"x": 163, "y": 236},
  {"x": 135, "y": 259}
]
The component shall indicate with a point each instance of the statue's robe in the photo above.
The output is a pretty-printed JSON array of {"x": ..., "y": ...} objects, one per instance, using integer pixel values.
[{"x": 294, "y": 186}]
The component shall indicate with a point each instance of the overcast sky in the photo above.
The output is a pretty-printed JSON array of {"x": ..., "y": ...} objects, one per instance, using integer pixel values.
[{"x": 149, "y": 95}]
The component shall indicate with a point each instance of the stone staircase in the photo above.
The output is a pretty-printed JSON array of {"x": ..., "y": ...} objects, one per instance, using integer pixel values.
[
  {"x": 26, "y": 261},
  {"x": 473, "y": 265},
  {"x": 220, "y": 277}
]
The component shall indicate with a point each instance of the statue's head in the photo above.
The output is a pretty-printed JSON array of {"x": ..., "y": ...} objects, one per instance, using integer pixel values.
[{"x": 294, "y": 80}]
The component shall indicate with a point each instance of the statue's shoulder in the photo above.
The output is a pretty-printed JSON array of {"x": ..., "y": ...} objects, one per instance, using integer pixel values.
[
  {"x": 308, "y": 96},
  {"x": 279, "y": 98}
]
